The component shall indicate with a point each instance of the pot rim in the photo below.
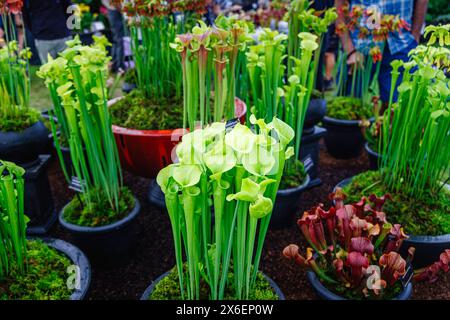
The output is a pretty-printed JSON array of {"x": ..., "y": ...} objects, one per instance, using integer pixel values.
[
  {"x": 160, "y": 133},
  {"x": 148, "y": 291},
  {"x": 346, "y": 123},
  {"x": 370, "y": 150},
  {"x": 24, "y": 131},
  {"x": 78, "y": 258},
  {"x": 444, "y": 238},
  {"x": 321, "y": 290},
  {"x": 304, "y": 185},
  {"x": 102, "y": 229}
]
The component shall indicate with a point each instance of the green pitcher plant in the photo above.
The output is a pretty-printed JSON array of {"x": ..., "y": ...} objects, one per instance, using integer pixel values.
[
  {"x": 209, "y": 57},
  {"x": 15, "y": 111},
  {"x": 76, "y": 81},
  {"x": 302, "y": 18},
  {"x": 307, "y": 28},
  {"x": 13, "y": 221},
  {"x": 220, "y": 197},
  {"x": 271, "y": 96},
  {"x": 414, "y": 144},
  {"x": 156, "y": 64}
]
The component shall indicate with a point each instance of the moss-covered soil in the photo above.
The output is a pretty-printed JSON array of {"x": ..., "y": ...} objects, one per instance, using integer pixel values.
[
  {"x": 44, "y": 279},
  {"x": 99, "y": 212},
  {"x": 294, "y": 175},
  {"x": 169, "y": 289},
  {"x": 24, "y": 119},
  {"x": 429, "y": 216},
  {"x": 348, "y": 108},
  {"x": 135, "y": 111}
]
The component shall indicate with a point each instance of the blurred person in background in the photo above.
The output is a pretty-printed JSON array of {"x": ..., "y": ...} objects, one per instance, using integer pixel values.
[
  {"x": 246, "y": 5},
  {"x": 398, "y": 44},
  {"x": 324, "y": 82},
  {"x": 116, "y": 23},
  {"x": 216, "y": 8},
  {"x": 47, "y": 20}
]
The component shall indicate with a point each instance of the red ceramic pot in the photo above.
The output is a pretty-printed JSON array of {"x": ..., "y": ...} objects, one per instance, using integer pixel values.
[{"x": 146, "y": 152}]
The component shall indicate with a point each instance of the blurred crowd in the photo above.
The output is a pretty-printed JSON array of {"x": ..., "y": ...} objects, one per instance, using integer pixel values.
[{"x": 48, "y": 24}]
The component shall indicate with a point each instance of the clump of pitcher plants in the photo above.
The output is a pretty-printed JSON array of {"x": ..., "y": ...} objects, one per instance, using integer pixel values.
[
  {"x": 209, "y": 57},
  {"x": 354, "y": 250},
  {"x": 153, "y": 26},
  {"x": 77, "y": 85},
  {"x": 234, "y": 174},
  {"x": 15, "y": 111},
  {"x": 415, "y": 129},
  {"x": 13, "y": 250}
]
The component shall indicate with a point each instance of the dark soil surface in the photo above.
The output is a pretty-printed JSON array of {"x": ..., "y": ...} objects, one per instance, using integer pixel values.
[{"x": 154, "y": 252}]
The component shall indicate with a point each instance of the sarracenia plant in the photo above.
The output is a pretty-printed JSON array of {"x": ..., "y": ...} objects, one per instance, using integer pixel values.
[
  {"x": 156, "y": 64},
  {"x": 209, "y": 58},
  {"x": 347, "y": 241},
  {"x": 234, "y": 174},
  {"x": 12, "y": 218},
  {"x": 360, "y": 81},
  {"x": 307, "y": 28},
  {"x": 301, "y": 18},
  {"x": 76, "y": 81},
  {"x": 416, "y": 129},
  {"x": 266, "y": 67},
  {"x": 153, "y": 26},
  {"x": 14, "y": 80}
]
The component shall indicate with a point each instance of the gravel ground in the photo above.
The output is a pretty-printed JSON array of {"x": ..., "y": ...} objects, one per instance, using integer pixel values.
[{"x": 154, "y": 249}]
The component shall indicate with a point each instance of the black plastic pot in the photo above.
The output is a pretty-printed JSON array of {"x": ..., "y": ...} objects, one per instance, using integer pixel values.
[
  {"x": 317, "y": 109},
  {"x": 428, "y": 248},
  {"x": 155, "y": 195},
  {"x": 374, "y": 157},
  {"x": 323, "y": 293},
  {"x": 49, "y": 148},
  {"x": 286, "y": 206},
  {"x": 344, "y": 138},
  {"x": 309, "y": 153},
  {"x": 79, "y": 259},
  {"x": 24, "y": 147},
  {"x": 39, "y": 205},
  {"x": 105, "y": 245},
  {"x": 86, "y": 38},
  {"x": 148, "y": 292}
]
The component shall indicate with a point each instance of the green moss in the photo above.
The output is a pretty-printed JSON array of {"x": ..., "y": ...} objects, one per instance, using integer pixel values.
[
  {"x": 135, "y": 111},
  {"x": 352, "y": 294},
  {"x": 419, "y": 217},
  {"x": 294, "y": 175},
  {"x": 99, "y": 212},
  {"x": 130, "y": 76},
  {"x": 23, "y": 119},
  {"x": 356, "y": 293},
  {"x": 169, "y": 289},
  {"x": 348, "y": 108},
  {"x": 44, "y": 279}
]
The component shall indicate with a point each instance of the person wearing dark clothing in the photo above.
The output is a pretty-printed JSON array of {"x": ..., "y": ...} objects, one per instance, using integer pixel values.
[
  {"x": 116, "y": 23},
  {"x": 321, "y": 82},
  {"x": 246, "y": 5},
  {"x": 48, "y": 21}
]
